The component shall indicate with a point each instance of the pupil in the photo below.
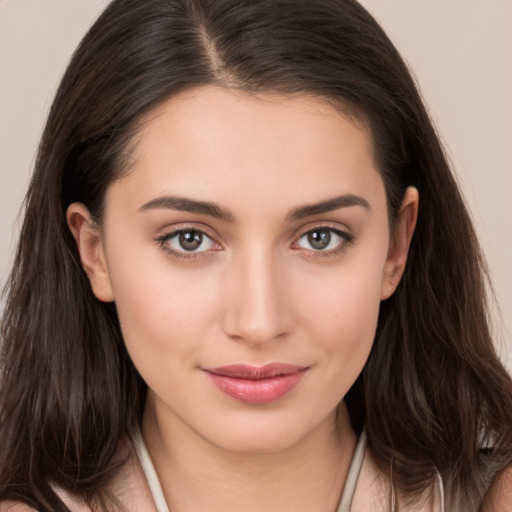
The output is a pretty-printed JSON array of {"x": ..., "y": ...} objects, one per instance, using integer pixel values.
[
  {"x": 320, "y": 238},
  {"x": 190, "y": 240}
]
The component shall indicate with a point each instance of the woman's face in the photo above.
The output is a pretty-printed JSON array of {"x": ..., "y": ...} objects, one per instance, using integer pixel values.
[{"x": 247, "y": 251}]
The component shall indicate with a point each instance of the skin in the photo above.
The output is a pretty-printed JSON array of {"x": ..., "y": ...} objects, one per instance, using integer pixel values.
[
  {"x": 257, "y": 291},
  {"x": 499, "y": 495}
]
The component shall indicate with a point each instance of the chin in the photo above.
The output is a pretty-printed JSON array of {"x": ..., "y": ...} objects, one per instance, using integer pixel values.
[
  {"x": 262, "y": 443},
  {"x": 262, "y": 436}
]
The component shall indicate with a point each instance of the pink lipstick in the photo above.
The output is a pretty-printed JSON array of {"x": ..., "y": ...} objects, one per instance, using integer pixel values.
[{"x": 256, "y": 384}]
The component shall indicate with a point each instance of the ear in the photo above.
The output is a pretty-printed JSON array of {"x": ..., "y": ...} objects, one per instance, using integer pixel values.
[
  {"x": 90, "y": 247},
  {"x": 400, "y": 242}
]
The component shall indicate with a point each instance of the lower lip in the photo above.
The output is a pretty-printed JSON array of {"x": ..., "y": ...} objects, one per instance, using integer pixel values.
[{"x": 261, "y": 391}]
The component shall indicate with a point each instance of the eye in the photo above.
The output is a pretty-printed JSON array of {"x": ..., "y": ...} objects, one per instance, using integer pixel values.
[
  {"x": 322, "y": 239},
  {"x": 190, "y": 241}
]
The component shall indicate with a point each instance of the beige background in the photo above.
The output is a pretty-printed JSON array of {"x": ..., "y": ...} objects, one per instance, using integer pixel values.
[{"x": 460, "y": 51}]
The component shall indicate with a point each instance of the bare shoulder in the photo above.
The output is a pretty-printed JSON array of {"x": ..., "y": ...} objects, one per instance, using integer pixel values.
[
  {"x": 499, "y": 496},
  {"x": 15, "y": 506},
  {"x": 72, "y": 503}
]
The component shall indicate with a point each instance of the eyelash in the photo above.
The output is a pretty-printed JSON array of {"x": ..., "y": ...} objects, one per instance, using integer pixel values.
[
  {"x": 163, "y": 242},
  {"x": 347, "y": 240}
]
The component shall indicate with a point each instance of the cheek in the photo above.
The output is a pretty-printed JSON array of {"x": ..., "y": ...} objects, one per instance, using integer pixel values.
[
  {"x": 341, "y": 312},
  {"x": 162, "y": 310},
  {"x": 347, "y": 316}
]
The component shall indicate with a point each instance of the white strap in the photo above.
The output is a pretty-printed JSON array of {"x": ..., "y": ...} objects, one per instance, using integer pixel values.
[
  {"x": 353, "y": 475},
  {"x": 440, "y": 494},
  {"x": 149, "y": 471},
  {"x": 159, "y": 498}
]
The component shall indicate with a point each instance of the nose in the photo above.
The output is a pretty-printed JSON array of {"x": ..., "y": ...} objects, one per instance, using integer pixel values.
[{"x": 256, "y": 306}]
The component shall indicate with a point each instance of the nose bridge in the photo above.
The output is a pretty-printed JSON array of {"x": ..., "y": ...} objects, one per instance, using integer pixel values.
[{"x": 256, "y": 306}]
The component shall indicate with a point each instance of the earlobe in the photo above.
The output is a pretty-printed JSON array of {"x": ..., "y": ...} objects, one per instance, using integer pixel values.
[
  {"x": 400, "y": 242},
  {"x": 90, "y": 247}
]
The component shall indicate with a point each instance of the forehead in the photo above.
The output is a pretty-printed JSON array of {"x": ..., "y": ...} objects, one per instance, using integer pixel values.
[{"x": 221, "y": 144}]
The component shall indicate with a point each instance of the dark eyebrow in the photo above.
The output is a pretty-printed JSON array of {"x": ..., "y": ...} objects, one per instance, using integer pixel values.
[
  {"x": 335, "y": 203},
  {"x": 188, "y": 205},
  {"x": 205, "y": 208}
]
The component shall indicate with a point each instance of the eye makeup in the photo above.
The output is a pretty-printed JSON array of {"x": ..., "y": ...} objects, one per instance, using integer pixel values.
[
  {"x": 188, "y": 243},
  {"x": 324, "y": 241},
  {"x": 191, "y": 243}
]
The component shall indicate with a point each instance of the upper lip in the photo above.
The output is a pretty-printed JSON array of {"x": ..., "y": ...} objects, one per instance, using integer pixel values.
[{"x": 249, "y": 372}]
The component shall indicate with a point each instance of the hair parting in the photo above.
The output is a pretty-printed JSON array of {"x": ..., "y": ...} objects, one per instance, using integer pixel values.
[{"x": 69, "y": 393}]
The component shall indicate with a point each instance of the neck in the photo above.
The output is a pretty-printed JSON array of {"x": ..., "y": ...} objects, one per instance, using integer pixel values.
[{"x": 198, "y": 475}]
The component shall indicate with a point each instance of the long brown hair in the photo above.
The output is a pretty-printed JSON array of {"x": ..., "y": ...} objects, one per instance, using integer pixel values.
[{"x": 433, "y": 397}]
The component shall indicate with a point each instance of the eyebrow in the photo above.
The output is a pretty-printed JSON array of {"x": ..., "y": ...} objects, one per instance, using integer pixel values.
[
  {"x": 206, "y": 208},
  {"x": 184, "y": 204},
  {"x": 344, "y": 201}
]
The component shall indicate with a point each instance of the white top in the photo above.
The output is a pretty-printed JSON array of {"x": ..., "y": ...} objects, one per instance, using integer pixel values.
[
  {"x": 159, "y": 498},
  {"x": 345, "y": 504},
  {"x": 149, "y": 471}
]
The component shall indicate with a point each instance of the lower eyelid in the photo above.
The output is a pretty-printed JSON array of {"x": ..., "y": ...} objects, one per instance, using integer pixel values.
[
  {"x": 165, "y": 239},
  {"x": 181, "y": 255},
  {"x": 346, "y": 238}
]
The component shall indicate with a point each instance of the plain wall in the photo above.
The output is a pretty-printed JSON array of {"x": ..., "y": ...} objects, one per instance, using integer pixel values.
[{"x": 459, "y": 50}]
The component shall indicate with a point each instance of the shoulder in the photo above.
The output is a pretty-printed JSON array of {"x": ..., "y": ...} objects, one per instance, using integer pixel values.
[
  {"x": 15, "y": 506},
  {"x": 499, "y": 495},
  {"x": 129, "y": 487},
  {"x": 375, "y": 491}
]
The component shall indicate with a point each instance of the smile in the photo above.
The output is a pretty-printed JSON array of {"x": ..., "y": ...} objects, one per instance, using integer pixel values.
[{"x": 256, "y": 385}]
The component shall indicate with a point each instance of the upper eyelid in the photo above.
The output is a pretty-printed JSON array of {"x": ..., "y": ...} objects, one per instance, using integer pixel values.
[
  {"x": 344, "y": 233},
  {"x": 173, "y": 231},
  {"x": 321, "y": 225},
  {"x": 347, "y": 237},
  {"x": 164, "y": 241}
]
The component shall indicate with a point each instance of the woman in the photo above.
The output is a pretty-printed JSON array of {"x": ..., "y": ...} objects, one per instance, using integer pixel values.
[{"x": 246, "y": 279}]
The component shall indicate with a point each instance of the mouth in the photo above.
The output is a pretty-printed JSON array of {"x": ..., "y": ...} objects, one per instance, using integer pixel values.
[{"x": 256, "y": 384}]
